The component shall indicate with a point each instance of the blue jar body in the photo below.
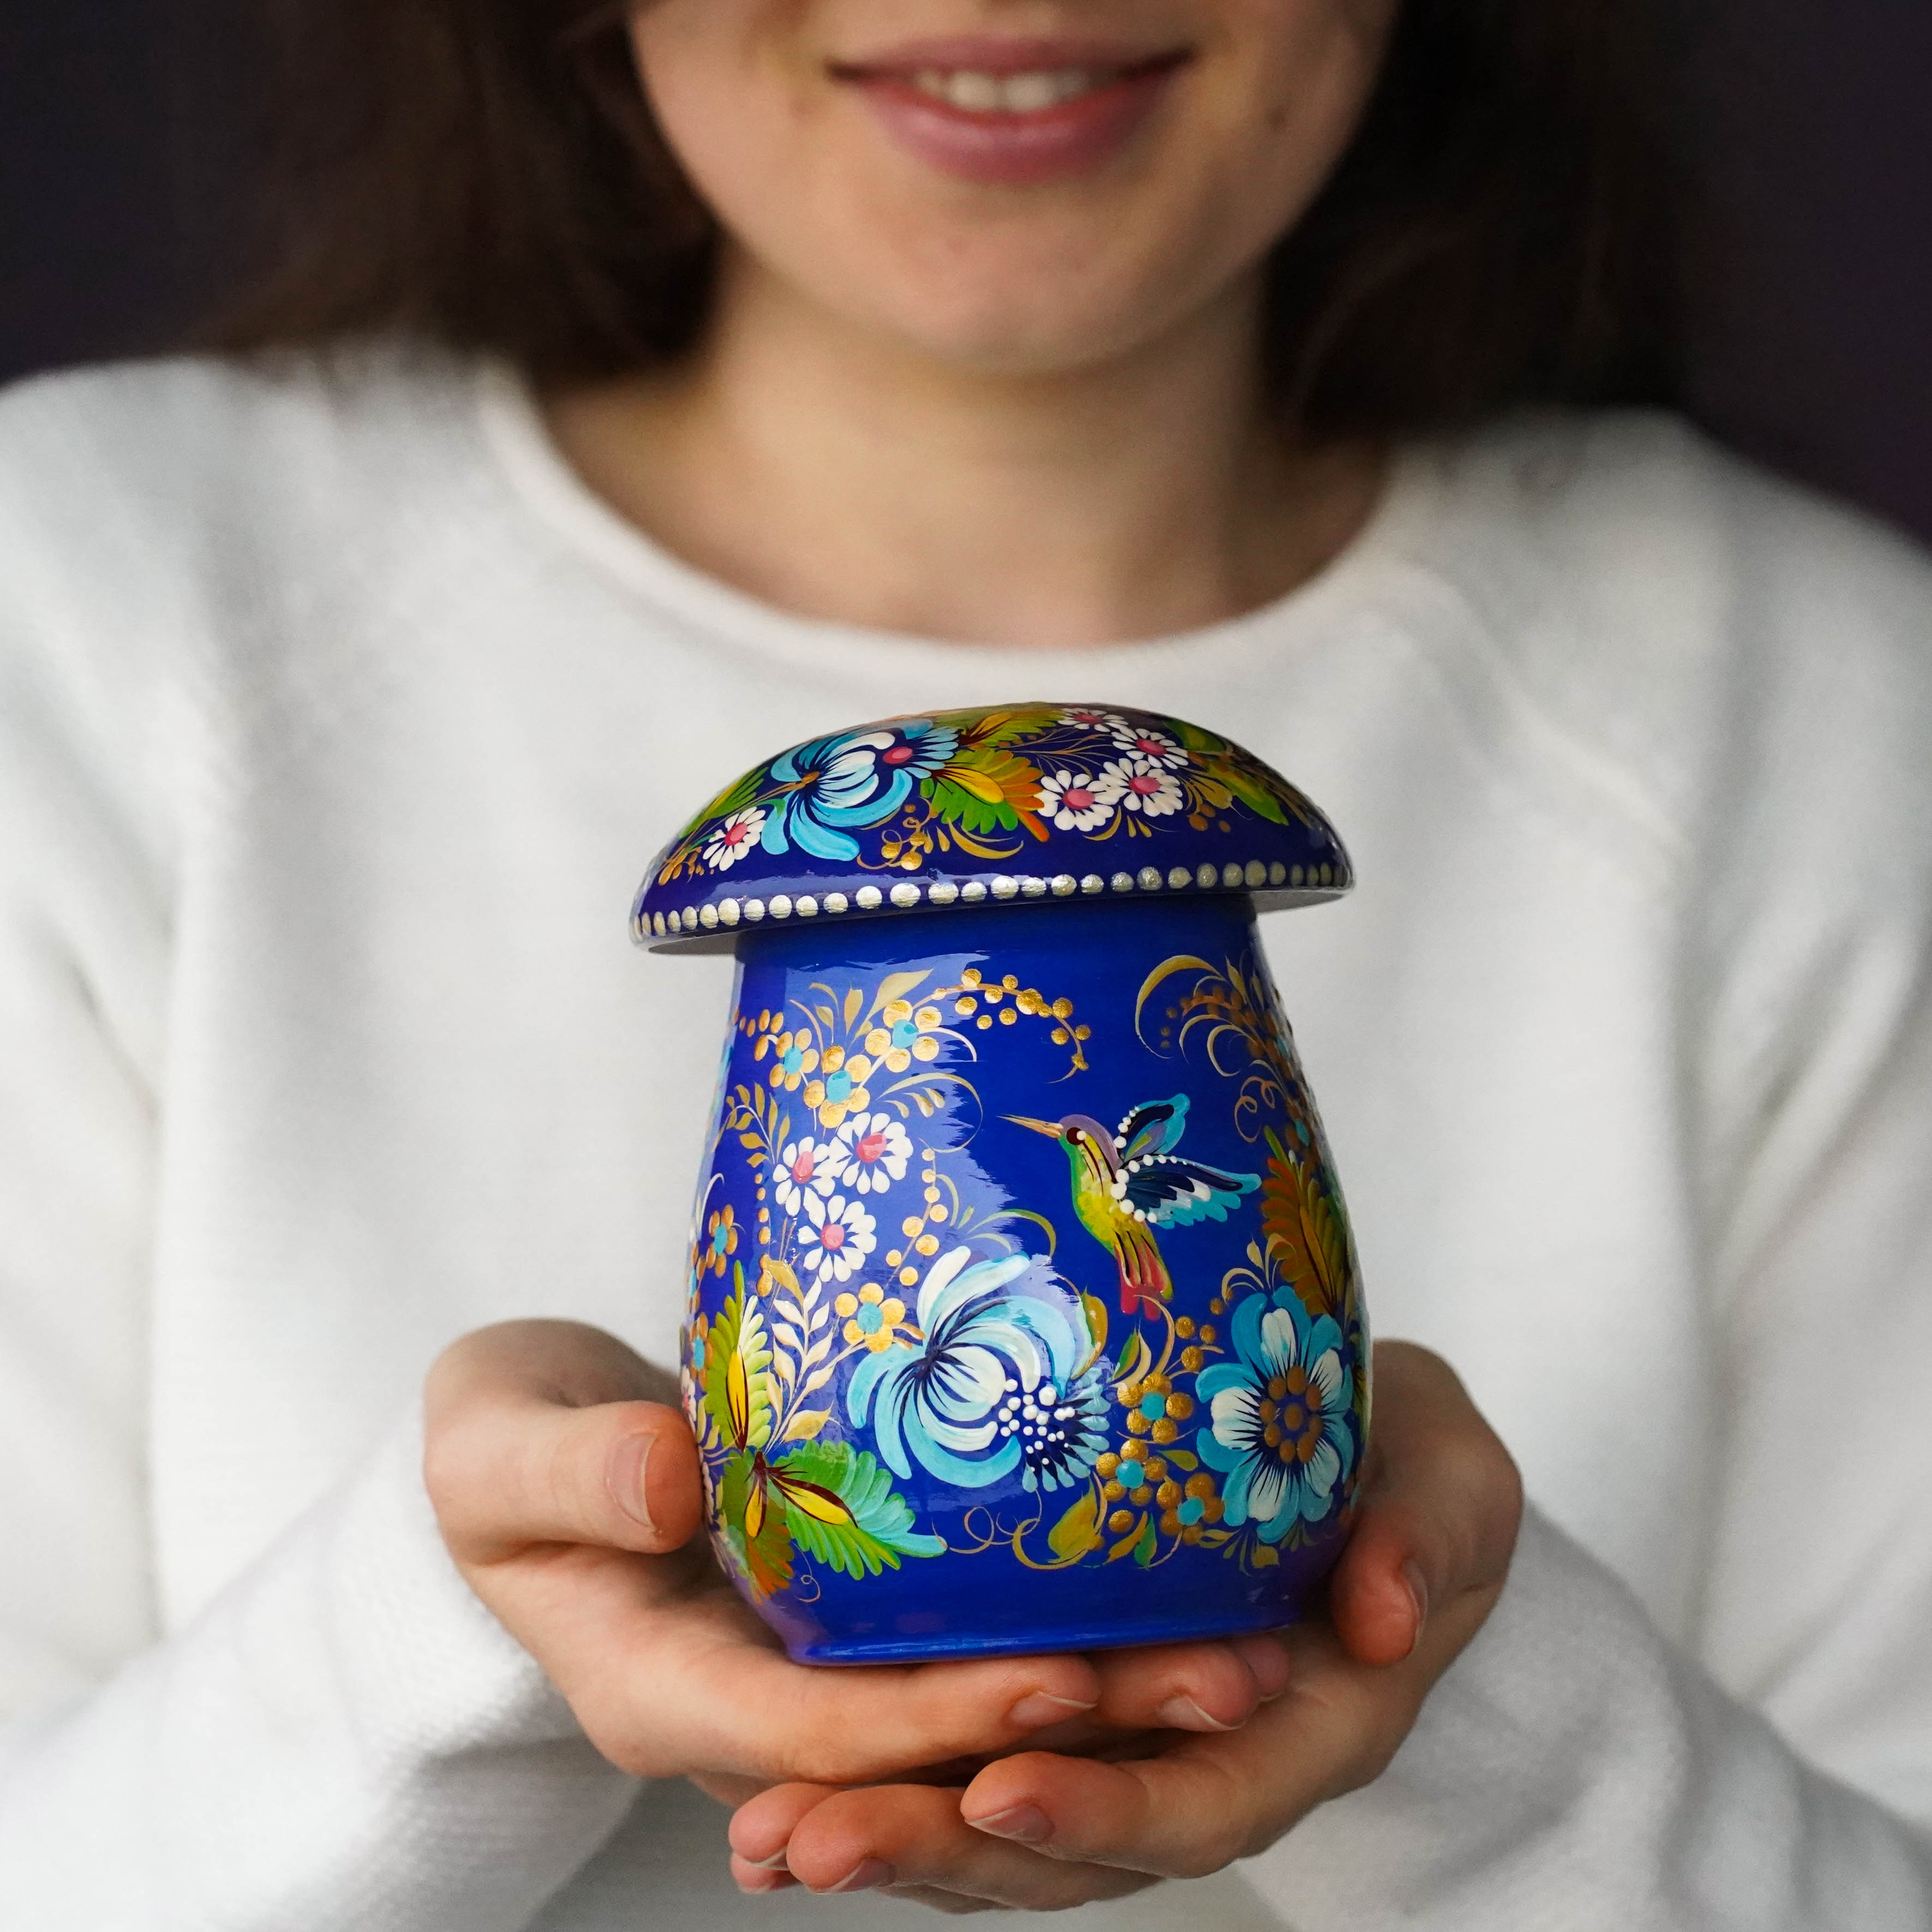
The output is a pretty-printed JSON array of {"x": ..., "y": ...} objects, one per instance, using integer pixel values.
[{"x": 1025, "y": 1313}]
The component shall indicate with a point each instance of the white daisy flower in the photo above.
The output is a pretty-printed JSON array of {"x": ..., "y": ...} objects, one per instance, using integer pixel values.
[
  {"x": 1139, "y": 784},
  {"x": 1088, "y": 719},
  {"x": 837, "y": 1238},
  {"x": 1156, "y": 747},
  {"x": 806, "y": 1165},
  {"x": 1070, "y": 800},
  {"x": 880, "y": 1148},
  {"x": 730, "y": 841}
]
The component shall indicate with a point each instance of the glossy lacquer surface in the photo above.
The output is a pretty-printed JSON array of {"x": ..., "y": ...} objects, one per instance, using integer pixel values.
[{"x": 1024, "y": 1313}]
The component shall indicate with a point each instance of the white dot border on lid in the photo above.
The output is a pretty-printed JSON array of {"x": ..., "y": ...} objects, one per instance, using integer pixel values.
[{"x": 1233, "y": 876}]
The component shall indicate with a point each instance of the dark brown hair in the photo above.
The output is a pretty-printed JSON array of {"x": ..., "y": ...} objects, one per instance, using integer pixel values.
[{"x": 487, "y": 173}]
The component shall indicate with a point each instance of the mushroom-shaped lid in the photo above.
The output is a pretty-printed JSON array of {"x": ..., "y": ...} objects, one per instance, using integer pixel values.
[{"x": 1014, "y": 804}]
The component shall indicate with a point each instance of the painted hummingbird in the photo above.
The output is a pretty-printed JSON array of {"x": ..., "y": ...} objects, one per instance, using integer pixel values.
[{"x": 1127, "y": 1182}]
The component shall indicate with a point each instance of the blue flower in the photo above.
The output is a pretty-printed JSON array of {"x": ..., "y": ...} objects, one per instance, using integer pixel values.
[
  {"x": 1278, "y": 1416},
  {"x": 998, "y": 1382},
  {"x": 844, "y": 784}
]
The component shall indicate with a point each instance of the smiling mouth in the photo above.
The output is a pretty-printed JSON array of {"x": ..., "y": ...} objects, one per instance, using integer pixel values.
[
  {"x": 1005, "y": 87},
  {"x": 1034, "y": 90},
  {"x": 1012, "y": 111}
]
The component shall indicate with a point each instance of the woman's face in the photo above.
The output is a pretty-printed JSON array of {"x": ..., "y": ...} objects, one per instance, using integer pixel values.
[{"x": 1025, "y": 186}]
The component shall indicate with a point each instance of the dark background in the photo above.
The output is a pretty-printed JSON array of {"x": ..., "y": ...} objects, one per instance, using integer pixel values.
[{"x": 126, "y": 128}]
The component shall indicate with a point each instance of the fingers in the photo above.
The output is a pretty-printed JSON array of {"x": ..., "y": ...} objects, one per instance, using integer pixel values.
[
  {"x": 1186, "y": 1812},
  {"x": 1437, "y": 1514},
  {"x": 1197, "y": 1686},
  {"x": 534, "y": 1433},
  {"x": 1201, "y": 1801},
  {"x": 745, "y": 1711},
  {"x": 911, "y": 1840}
]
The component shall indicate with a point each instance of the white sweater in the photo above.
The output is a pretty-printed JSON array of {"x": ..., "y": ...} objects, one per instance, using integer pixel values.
[{"x": 336, "y": 722}]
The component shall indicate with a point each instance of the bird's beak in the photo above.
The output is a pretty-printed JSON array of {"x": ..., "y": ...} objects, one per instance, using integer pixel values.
[{"x": 1047, "y": 1127}]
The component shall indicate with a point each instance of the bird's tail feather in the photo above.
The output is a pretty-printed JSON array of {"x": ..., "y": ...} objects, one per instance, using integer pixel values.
[{"x": 1144, "y": 1275}]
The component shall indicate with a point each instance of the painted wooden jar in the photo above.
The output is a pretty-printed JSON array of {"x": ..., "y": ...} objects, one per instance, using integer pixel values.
[{"x": 1024, "y": 1311}]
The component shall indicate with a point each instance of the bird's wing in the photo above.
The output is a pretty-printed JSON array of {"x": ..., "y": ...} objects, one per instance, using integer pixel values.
[
  {"x": 1174, "y": 1193},
  {"x": 1154, "y": 1127}
]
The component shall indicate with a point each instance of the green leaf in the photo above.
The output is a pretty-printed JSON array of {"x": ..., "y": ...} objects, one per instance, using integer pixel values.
[
  {"x": 957, "y": 806},
  {"x": 1078, "y": 1531},
  {"x": 873, "y": 1529},
  {"x": 1264, "y": 1556},
  {"x": 738, "y": 1389},
  {"x": 766, "y": 1557},
  {"x": 1182, "y": 1458},
  {"x": 1143, "y": 1550},
  {"x": 1257, "y": 796}
]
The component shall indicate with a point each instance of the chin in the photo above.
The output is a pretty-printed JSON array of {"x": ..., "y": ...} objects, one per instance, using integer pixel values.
[{"x": 1021, "y": 306}]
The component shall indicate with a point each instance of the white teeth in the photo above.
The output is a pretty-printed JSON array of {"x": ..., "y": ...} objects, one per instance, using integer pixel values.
[{"x": 981, "y": 93}]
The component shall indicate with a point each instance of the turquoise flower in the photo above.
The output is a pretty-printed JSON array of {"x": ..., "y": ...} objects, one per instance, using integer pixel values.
[
  {"x": 997, "y": 1382},
  {"x": 1278, "y": 1427},
  {"x": 845, "y": 783}
]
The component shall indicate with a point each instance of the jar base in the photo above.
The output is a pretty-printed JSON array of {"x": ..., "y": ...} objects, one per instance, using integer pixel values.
[{"x": 1115, "y": 1634}]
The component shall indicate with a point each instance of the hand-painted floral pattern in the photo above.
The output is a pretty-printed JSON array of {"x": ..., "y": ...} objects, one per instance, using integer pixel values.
[
  {"x": 876, "y": 1148},
  {"x": 891, "y": 1337},
  {"x": 721, "y": 1240},
  {"x": 834, "y": 786},
  {"x": 837, "y": 1236},
  {"x": 999, "y": 1381},
  {"x": 904, "y": 1034},
  {"x": 1281, "y": 1432},
  {"x": 734, "y": 837},
  {"x": 1155, "y": 747},
  {"x": 1071, "y": 802},
  {"x": 872, "y": 1317},
  {"x": 1136, "y": 784},
  {"x": 806, "y": 1163},
  {"x": 840, "y": 1088},
  {"x": 794, "y": 1059},
  {"x": 988, "y": 785}
]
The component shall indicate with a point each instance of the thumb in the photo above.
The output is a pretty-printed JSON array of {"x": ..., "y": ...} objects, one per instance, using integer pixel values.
[
  {"x": 1436, "y": 1517},
  {"x": 542, "y": 1432}
]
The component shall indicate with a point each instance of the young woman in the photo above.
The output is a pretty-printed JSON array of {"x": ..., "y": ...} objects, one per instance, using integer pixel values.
[{"x": 903, "y": 354}]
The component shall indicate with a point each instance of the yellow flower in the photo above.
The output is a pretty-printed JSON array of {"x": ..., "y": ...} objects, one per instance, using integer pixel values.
[
  {"x": 796, "y": 1059},
  {"x": 841, "y": 1090},
  {"x": 906, "y": 1036},
  {"x": 721, "y": 1242},
  {"x": 871, "y": 1317}
]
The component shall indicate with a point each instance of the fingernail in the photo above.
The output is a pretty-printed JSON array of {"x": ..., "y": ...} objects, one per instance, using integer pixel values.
[
  {"x": 1026, "y": 1824},
  {"x": 776, "y": 1862},
  {"x": 1031, "y": 1712},
  {"x": 1267, "y": 1662},
  {"x": 1184, "y": 1714},
  {"x": 1418, "y": 1592},
  {"x": 867, "y": 1876},
  {"x": 628, "y": 1461}
]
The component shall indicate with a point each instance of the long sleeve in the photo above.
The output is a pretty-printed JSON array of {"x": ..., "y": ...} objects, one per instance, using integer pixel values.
[
  {"x": 343, "y": 1737},
  {"x": 1765, "y": 1763},
  {"x": 1575, "y": 1770}
]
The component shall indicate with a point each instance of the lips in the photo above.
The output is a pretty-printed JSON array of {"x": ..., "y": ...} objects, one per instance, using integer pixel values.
[{"x": 1012, "y": 111}]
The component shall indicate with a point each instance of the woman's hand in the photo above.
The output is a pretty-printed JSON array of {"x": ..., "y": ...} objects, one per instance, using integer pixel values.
[
  {"x": 1437, "y": 1519},
  {"x": 565, "y": 1482}
]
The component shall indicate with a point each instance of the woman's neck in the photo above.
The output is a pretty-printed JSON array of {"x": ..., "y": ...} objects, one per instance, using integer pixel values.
[{"x": 824, "y": 471}]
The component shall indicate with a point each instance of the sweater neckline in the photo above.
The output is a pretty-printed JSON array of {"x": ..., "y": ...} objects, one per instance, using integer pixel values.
[{"x": 542, "y": 480}]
